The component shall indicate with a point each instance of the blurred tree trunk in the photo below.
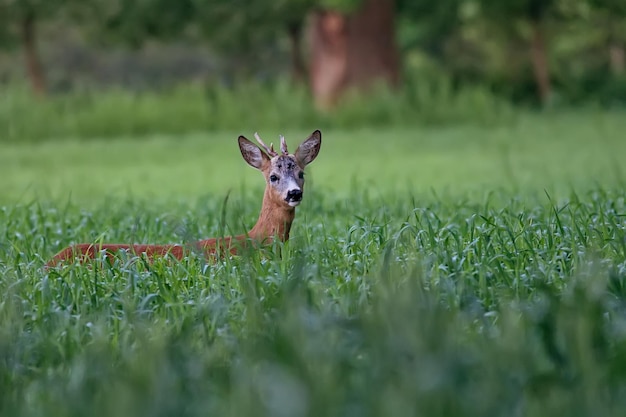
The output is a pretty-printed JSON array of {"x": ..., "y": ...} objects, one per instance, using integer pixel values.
[
  {"x": 29, "y": 46},
  {"x": 298, "y": 70},
  {"x": 329, "y": 57},
  {"x": 615, "y": 45},
  {"x": 354, "y": 50},
  {"x": 617, "y": 58},
  {"x": 539, "y": 58}
]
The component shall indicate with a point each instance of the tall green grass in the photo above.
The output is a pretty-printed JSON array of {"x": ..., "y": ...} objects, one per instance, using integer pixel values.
[
  {"x": 449, "y": 308},
  {"x": 459, "y": 271},
  {"x": 213, "y": 107}
]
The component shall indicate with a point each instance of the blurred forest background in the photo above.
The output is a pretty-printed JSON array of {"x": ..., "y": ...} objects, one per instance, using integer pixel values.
[{"x": 187, "y": 65}]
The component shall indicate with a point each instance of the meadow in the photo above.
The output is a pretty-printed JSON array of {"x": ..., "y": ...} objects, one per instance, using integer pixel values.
[{"x": 466, "y": 270}]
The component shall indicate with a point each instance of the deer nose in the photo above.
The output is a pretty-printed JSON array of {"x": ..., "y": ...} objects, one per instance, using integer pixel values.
[{"x": 294, "y": 195}]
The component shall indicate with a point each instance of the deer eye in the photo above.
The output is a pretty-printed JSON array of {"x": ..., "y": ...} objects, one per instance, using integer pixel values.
[
  {"x": 301, "y": 174},
  {"x": 273, "y": 178}
]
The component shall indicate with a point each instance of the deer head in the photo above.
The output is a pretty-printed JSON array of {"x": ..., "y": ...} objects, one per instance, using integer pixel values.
[{"x": 283, "y": 172}]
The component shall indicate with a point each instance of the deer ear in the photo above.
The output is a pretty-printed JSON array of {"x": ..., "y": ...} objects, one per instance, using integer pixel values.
[
  {"x": 251, "y": 153},
  {"x": 308, "y": 150}
]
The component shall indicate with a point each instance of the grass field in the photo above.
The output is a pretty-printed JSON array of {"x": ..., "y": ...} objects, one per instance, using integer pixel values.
[
  {"x": 532, "y": 153},
  {"x": 457, "y": 271}
]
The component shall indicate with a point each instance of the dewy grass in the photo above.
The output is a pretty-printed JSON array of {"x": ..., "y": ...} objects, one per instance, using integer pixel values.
[{"x": 448, "y": 308}]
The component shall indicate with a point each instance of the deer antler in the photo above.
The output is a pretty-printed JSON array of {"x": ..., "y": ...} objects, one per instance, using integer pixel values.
[
  {"x": 283, "y": 145},
  {"x": 269, "y": 150}
]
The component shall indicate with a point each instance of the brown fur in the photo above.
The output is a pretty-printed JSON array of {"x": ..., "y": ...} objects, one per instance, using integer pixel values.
[{"x": 274, "y": 220}]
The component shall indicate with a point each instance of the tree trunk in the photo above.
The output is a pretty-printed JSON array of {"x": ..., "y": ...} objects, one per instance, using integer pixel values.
[
  {"x": 539, "y": 58},
  {"x": 31, "y": 57},
  {"x": 353, "y": 51},
  {"x": 298, "y": 71},
  {"x": 617, "y": 58},
  {"x": 329, "y": 57}
]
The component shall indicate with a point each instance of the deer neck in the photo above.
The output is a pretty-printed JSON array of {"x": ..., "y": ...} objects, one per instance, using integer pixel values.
[{"x": 274, "y": 220}]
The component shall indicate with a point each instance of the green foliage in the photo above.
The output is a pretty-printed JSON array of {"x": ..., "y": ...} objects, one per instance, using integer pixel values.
[
  {"x": 503, "y": 12},
  {"x": 134, "y": 22},
  {"x": 486, "y": 42},
  {"x": 14, "y": 12},
  {"x": 615, "y": 7},
  {"x": 472, "y": 41},
  {"x": 427, "y": 25},
  {"x": 246, "y": 25},
  {"x": 344, "y": 6},
  {"x": 236, "y": 27}
]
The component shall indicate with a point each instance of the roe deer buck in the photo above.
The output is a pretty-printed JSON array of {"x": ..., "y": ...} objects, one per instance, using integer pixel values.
[{"x": 284, "y": 177}]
